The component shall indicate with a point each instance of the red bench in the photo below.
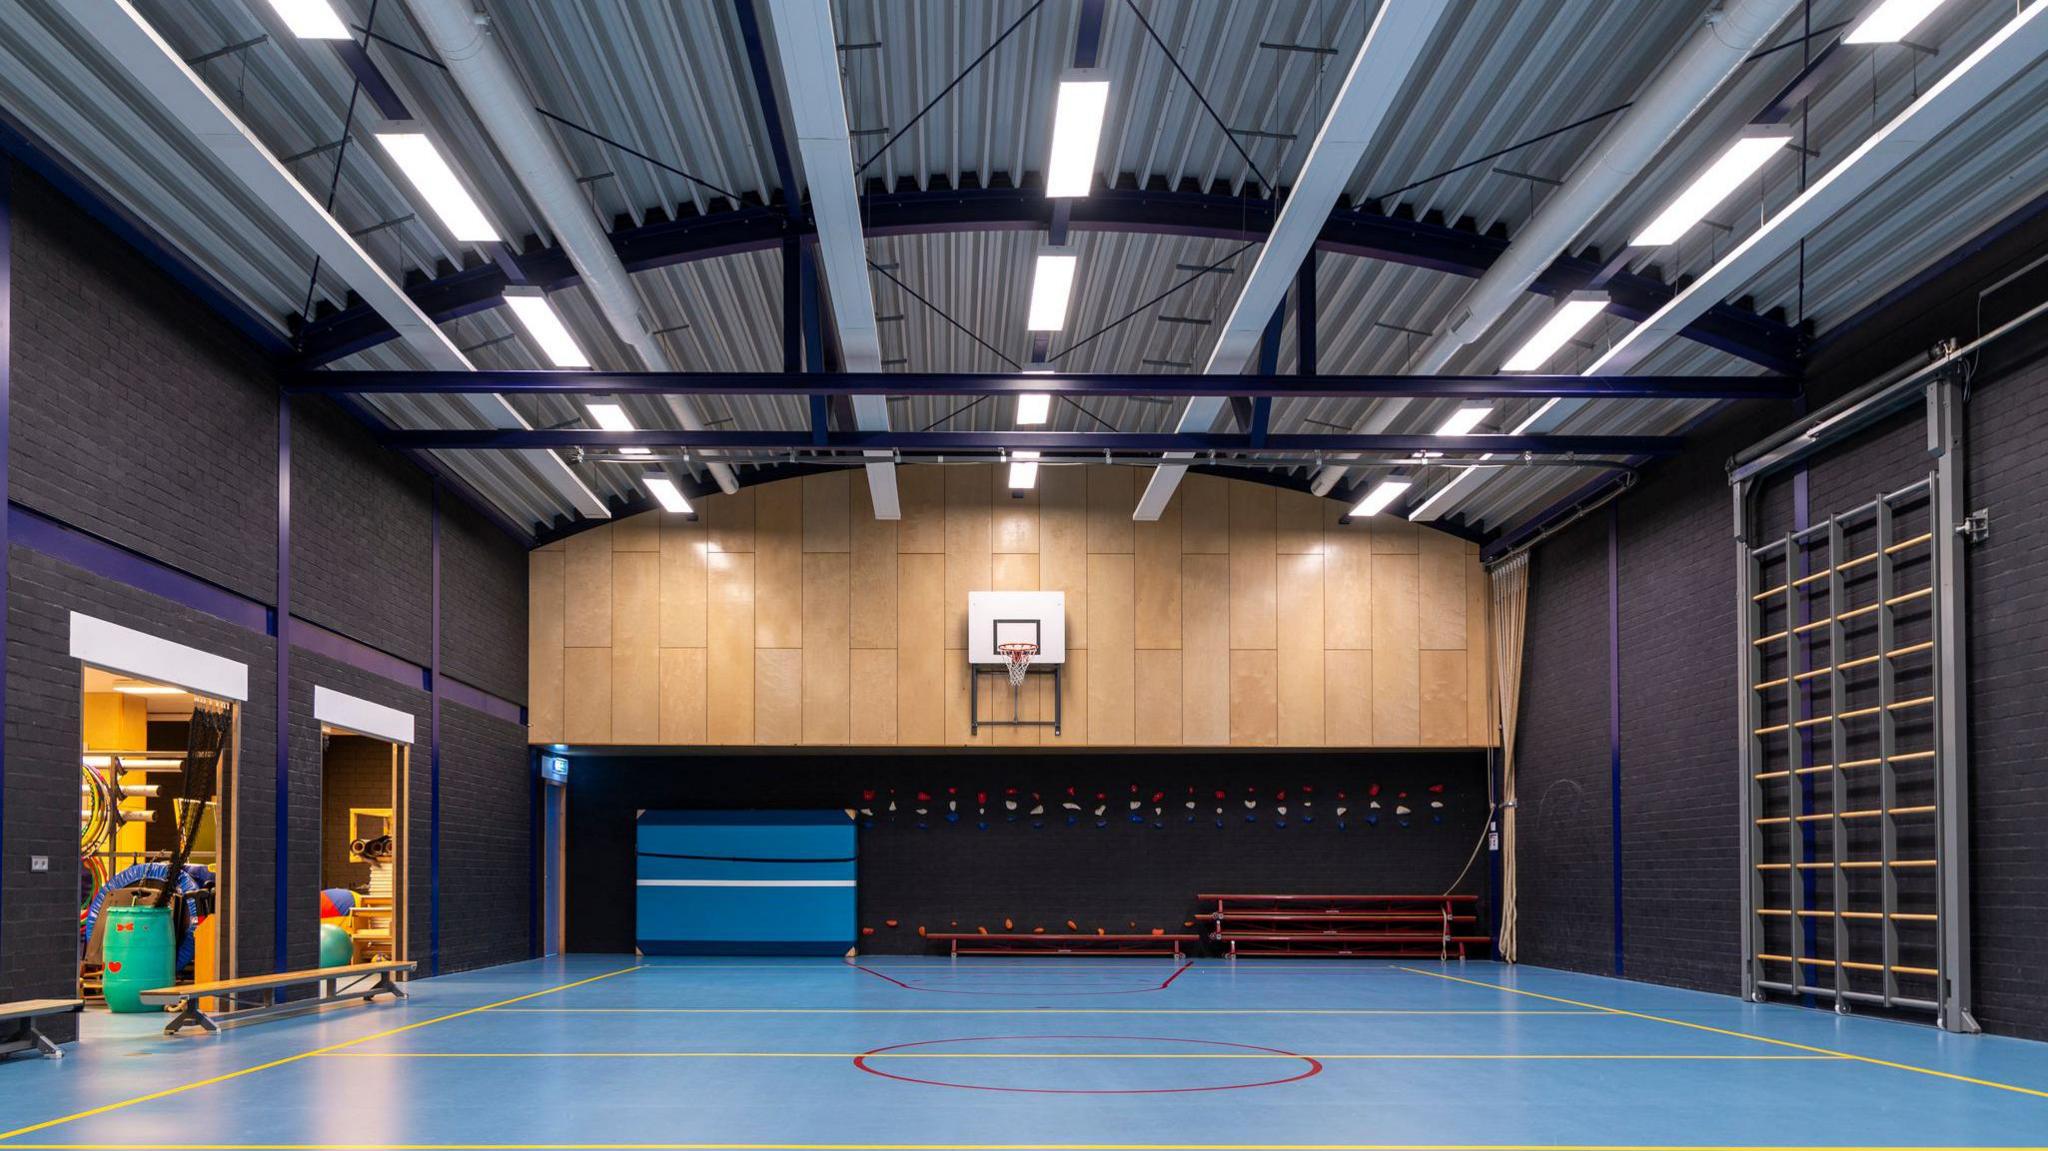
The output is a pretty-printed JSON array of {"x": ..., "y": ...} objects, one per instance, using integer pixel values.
[
  {"x": 1023, "y": 943},
  {"x": 1344, "y": 925}
]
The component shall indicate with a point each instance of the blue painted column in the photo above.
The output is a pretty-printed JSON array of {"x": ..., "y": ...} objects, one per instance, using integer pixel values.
[
  {"x": 6, "y": 401},
  {"x": 282, "y": 893},
  {"x": 434, "y": 753},
  {"x": 1614, "y": 717}
]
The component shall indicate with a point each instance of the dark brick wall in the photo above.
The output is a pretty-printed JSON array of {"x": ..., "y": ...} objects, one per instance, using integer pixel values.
[
  {"x": 487, "y": 795},
  {"x": 1110, "y": 876},
  {"x": 361, "y": 556},
  {"x": 44, "y": 685},
  {"x": 136, "y": 414},
  {"x": 142, "y": 418},
  {"x": 1565, "y": 863},
  {"x": 483, "y": 584},
  {"x": 1678, "y": 639}
]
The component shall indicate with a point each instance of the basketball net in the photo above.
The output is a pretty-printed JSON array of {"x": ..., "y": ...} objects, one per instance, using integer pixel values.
[{"x": 1018, "y": 657}]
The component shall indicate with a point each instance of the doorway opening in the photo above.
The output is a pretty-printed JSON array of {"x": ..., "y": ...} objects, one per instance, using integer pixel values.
[{"x": 363, "y": 847}]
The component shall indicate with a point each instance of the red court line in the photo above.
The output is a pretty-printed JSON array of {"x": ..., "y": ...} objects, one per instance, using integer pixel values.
[
  {"x": 1164, "y": 984},
  {"x": 1315, "y": 1066}
]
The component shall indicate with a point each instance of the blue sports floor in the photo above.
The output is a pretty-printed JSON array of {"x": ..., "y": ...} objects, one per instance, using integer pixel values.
[{"x": 1032, "y": 1053}]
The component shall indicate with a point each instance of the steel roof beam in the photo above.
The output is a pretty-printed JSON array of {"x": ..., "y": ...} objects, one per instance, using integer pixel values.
[
  {"x": 1393, "y": 45},
  {"x": 1260, "y": 384},
  {"x": 807, "y": 49},
  {"x": 795, "y": 439},
  {"x": 157, "y": 69},
  {"x": 1763, "y": 341}
]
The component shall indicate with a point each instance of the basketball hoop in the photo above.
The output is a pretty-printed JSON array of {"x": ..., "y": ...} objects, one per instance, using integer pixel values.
[{"x": 1018, "y": 656}]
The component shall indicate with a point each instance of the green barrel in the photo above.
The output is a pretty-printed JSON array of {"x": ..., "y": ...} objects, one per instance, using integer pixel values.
[{"x": 139, "y": 949}]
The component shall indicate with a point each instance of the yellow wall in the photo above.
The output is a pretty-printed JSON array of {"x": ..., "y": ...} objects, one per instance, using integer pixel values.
[{"x": 787, "y": 614}]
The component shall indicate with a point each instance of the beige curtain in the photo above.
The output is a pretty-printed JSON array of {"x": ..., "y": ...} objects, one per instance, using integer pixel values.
[{"x": 1508, "y": 619}]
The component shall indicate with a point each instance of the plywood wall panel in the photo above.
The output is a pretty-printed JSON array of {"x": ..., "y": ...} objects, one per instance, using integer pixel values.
[
  {"x": 1247, "y": 615},
  {"x": 1204, "y": 502},
  {"x": 828, "y": 512},
  {"x": 683, "y": 696},
  {"x": 827, "y": 662},
  {"x": 1253, "y": 566},
  {"x": 778, "y": 565},
  {"x": 1205, "y": 650},
  {"x": 1442, "y": 596},
  {"x": 1157, "y": 572},
  {"x": 1111, "y": 649},
  {"x": 778, "y": 695},
  {"x": 1254, "y": 698},
  {"x": 1479, "y": 685},
  {"x": 729, "y": 658},
  {"x": 587, "y": 694},
  {"x": 874, "y": 582},
  {"x": 1347, "y": 698},
  {"x": 1442, "y": 692},
  {"x": 587, "y": 588},
  {"x": 731, "y": 520},
  {"x": 922, "y": 494},
  {"x": 683, "y": 547},
  {"x": 544, "y": 646},
  {"x": 1300, "y": 686},
  {"x": 1063, "y": 544},
  {"x": 1158, "y": 720}
]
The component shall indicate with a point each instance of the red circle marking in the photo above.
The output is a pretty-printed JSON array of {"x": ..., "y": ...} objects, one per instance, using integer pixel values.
[{"x": 1315, "y": 1067}]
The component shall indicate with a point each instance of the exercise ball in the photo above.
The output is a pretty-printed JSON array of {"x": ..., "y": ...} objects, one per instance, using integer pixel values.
[
  {"x": 137, "y": 953},
  {"x": 337, "y": 946}
]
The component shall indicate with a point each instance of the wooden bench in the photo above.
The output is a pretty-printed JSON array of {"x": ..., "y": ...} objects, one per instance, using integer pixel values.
[
  {"x": 1023, "y": 943},
  {"x": 1343, "y": 925},
  {"x": 255, "y": 997},
  {"x": 18, "y": 1024}
]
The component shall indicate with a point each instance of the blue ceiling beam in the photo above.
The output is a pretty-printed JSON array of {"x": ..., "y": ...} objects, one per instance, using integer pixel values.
[
  {"x": 1761, "y": 340},
  {"x": 984, "y": 384},
  {"x": 778, "y": 439}
]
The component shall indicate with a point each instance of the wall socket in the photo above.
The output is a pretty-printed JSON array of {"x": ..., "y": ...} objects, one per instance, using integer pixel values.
[{"x": 39, "y": 863}]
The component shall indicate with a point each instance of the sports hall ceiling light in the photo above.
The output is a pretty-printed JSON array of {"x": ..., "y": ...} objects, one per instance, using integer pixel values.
[
  {"x": 1033, "y": 408},
  {"x": 1462, "y": 421},
  {"x": 311, "y": 19},
  {"x": 1890, "y": 21},
  {"x": 665, "y": 492},
  {"x": 541, "y": 321},
  {"x": 415, "y": 154},
  {"x": 611, "y": 416},
  {"x": 1575, "y": 313},
  {"x": 1052, "y": 285},
  {"x": 1023, "y": 470},
  {"x": 1076, "y": 134},
  {"x": 1729, "y": 171},
  {"x": 141, "y": 687},
  {"x": 1381, "y": 496}
]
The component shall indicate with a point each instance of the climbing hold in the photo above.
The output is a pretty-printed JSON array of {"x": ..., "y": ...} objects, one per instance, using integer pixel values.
[
  {"x": 1072, "y": 926},
  {"x": 888, "y": 923},
  {"x": 1037, "y": 809},
  {"x": 1400, "y": 809},
  {"x": 1373, "y": 790},
  {"x": 1436, "y": 789},
  {"x": 920, "y": 931},
  {"x": 1342, "y": 809},
  {"x": 1436, "y": 803},
  {"x": 980, "y": 930},
  {"x": 867, "y": 931},
  {"x": 1009, "y": 924}
]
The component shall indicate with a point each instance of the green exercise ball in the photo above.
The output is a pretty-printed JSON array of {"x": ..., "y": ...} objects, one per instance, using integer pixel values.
[
  {"x": 337, "y": 946},
  {"x": 139, "y": 952}
]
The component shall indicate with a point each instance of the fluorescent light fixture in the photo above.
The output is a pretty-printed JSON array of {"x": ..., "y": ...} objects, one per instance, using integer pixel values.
[
  {"x": 1023, "y": 470},
  {"x": 138, "y": 687},
  {"x": 1381, "y": 496},
  {"x": 311, "y": 19},
  {"x": 1729, "y": 171},
  {"x": 1575, "y": 313},
  {"x": 1462, "y": 421},
  {"x": 1890, "y": 21},
  {"x": 531, "y": 308},
  {"x": 1052, "y": 285},
  {"x": 611, "y": 416},
  {"x": 1076, "y": 134},
  {"x": 666, "y": 493},
  {"x": 1033, "y": 408},
  {"x": 415, "y": 154}
]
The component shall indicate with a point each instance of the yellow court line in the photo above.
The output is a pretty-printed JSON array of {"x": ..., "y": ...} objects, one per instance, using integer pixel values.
[
  {"x": 1371, "y": 1055},
  {"x": 1033, "y": 1011},
  {"x": 2039, "y": 1094},
  {"x": 168, "y": 1091},
  {"x": 595, "y": 1146}
]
